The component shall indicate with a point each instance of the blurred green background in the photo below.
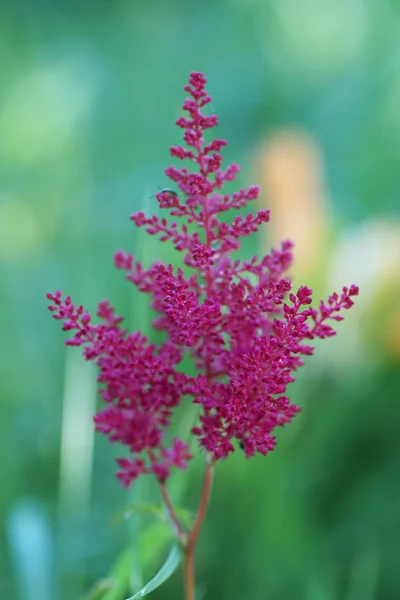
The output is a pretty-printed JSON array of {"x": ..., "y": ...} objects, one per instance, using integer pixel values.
[{"x": 308, "y": 96}]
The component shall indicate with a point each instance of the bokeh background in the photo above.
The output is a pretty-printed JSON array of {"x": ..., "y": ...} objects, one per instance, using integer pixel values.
[{"x": 308, "y": 95}]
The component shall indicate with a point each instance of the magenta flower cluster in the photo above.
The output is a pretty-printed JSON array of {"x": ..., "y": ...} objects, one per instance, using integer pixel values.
[{"x": 244, "y": 328}]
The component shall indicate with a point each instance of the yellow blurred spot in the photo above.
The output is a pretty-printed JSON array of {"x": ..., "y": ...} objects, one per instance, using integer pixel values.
[
  {"x": 393, "y": 335},
  {"x": 369, "y": 255}
]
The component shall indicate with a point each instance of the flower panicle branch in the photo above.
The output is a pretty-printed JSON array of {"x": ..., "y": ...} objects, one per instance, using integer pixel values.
[{"x": 244, "y": 327}]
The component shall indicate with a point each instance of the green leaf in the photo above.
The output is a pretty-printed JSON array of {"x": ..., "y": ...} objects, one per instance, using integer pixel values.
[
  {"x": 119, "y": 578},
  {"x": 118, "y": 582},
  {"x": 157, "y": 510},
  {"x": 185, "y": 516},
  {"x": 135, "y": 532},
  {"x": 168, "y": 568},
  {"x": 200, "y": 591},
  {"x": 140, "y": 509},
  {"x": 152, "y": 542},
  {"x": 99, "y": 589}
]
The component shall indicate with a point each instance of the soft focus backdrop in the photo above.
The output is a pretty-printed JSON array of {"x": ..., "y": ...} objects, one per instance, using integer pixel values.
[{"x": 308, "y": 96}]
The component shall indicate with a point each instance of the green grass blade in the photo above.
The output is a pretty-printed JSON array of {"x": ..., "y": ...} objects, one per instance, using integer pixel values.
[
  {"x": 169, "y": 567},
  {"x": 116, "y": 585}
]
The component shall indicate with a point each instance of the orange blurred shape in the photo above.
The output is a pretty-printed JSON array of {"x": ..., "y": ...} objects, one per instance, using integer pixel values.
[{"x": 290, "y": 170}]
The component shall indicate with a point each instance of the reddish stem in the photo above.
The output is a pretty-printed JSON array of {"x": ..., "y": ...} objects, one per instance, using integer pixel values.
[
  {"x": 189, "y": 542},
  {"x": 168, "y": 504},
  {"x": 193, "y": 534},
  {"x": 171, "y": 511},
  {"x": 190, "y": 593}
]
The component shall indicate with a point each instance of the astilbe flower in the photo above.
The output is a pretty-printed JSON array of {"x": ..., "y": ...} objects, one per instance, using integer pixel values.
[{"x": 244, "y": 328}]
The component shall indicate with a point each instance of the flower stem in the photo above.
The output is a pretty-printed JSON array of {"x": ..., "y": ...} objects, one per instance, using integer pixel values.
[
  {"x": 193, "y": 534},
  {"x": 190, "y": 593},
  {"x": 171, "y": 511},
  {"x": 168, "y": 505}
]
